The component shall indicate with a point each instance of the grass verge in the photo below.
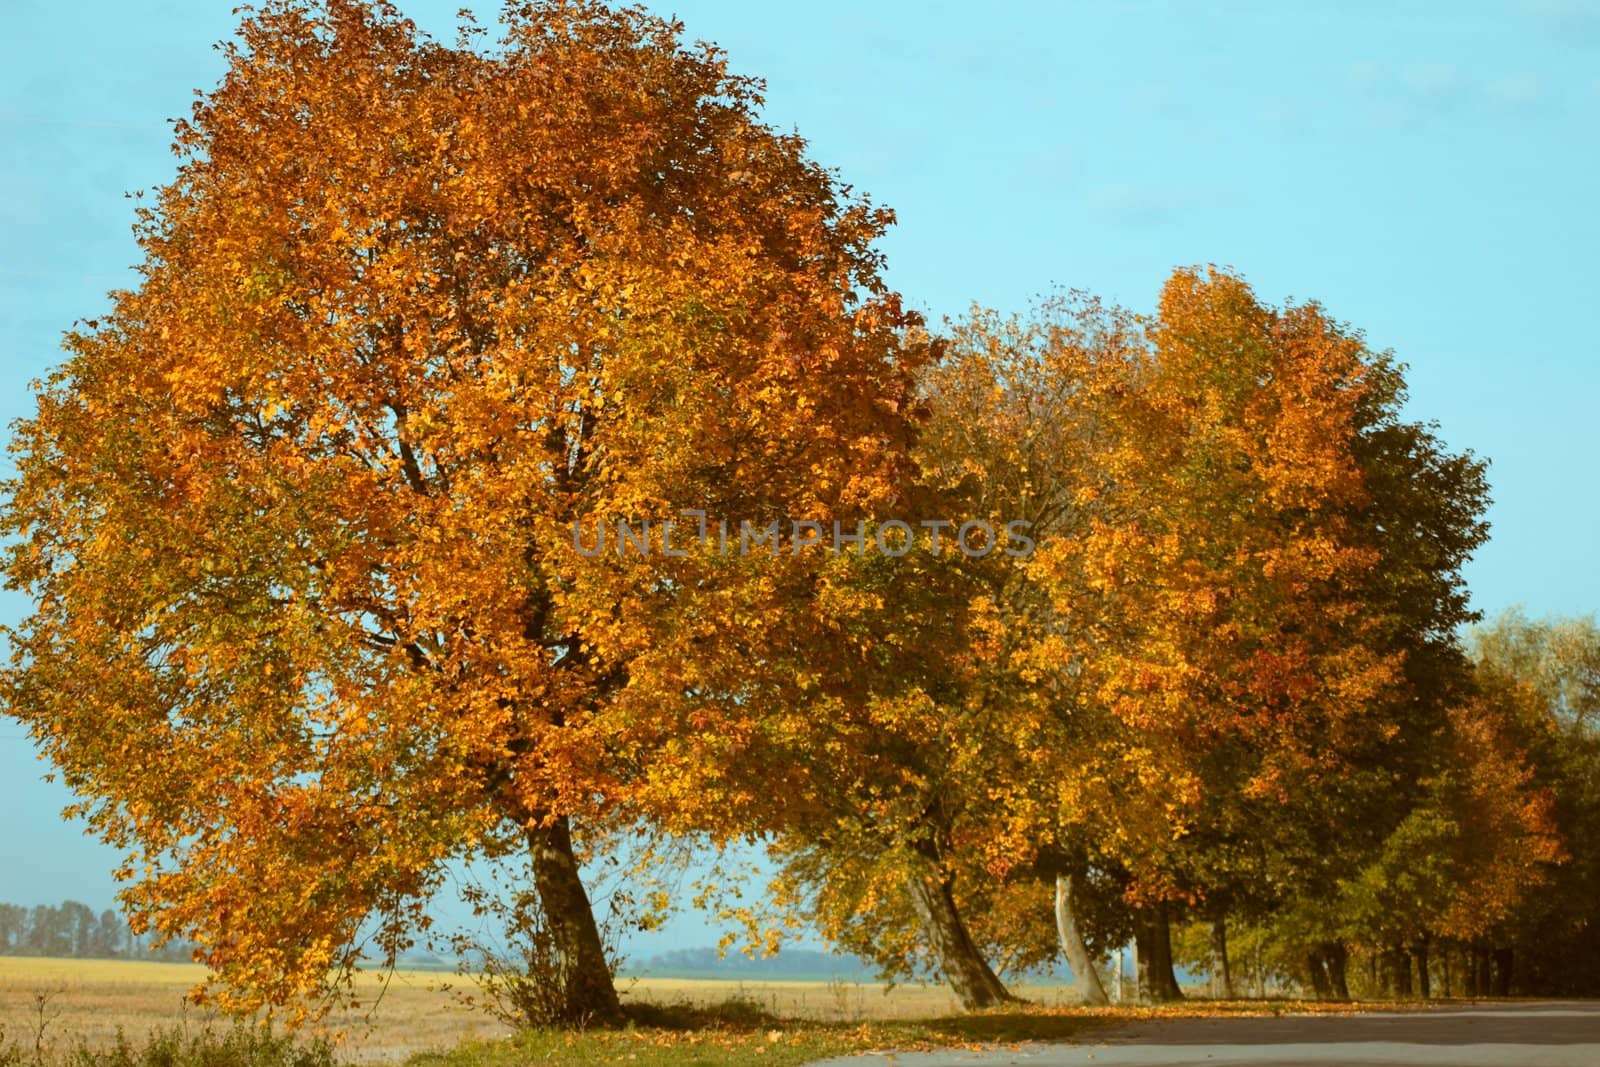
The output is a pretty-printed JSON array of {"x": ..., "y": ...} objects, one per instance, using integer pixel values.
[
  {"x": 739, "y": 1032},
  {"x": 241, "y": 1045}
]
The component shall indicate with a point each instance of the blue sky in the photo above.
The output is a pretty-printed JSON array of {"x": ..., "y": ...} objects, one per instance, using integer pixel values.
[{"x": 1428, "y": 171}]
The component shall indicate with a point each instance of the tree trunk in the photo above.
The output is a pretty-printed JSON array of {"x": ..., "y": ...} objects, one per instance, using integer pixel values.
[
  {"x": 1084, "y": 972},
  {"x": 1419, "y": 955},
  {"x": 1502, "y": 972},
  {"x": 962, "y": 965},
  {"x": 1480, "y": 971},
  {"x": 1221, "y": 973},
  {"x": 1320, "y": 986},
  {"x": 1152, "y": 941},
  {"x": 1396, "y": 971},
  {"x": 1337, "y": 958},
  {"x": 589, "y": 994}
]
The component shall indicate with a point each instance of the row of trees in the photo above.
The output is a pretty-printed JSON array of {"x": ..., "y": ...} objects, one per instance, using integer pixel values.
[
  {"x": 73, "y": 930},
  {"x": 297, "y": 518},
  {"x": 1230, "y": 688},
  {"x": 1485, "y": 882}
]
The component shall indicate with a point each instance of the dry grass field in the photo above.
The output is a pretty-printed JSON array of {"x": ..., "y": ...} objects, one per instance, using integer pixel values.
[
  {"x": 60, "y": 1002},
  {"x": 91, "y": 999}
]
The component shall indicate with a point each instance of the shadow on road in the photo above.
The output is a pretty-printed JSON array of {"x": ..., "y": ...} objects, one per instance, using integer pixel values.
[
  {"x": 1543, "y": 1023},
  {"x": 1003, "y": 1027}
]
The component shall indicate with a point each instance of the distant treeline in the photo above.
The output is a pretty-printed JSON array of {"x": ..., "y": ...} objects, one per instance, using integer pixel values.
[
  {"x": 791, "y": 963},
  {"x": 72, "y": 930}
]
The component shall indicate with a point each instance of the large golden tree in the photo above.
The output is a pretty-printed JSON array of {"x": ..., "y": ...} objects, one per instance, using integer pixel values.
[{"x": 297, "y": 515}]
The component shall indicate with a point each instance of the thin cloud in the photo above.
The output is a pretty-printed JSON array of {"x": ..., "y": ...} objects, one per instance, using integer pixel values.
[
  {"x": 1572, "y": 21},
  {"x": 1131, "y": 205},
  {"x": 1520, "y": 89},
  {"x": 1441, "y": 86}
]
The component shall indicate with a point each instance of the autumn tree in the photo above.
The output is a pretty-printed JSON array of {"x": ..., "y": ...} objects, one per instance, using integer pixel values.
[
  {"x": 1548, "y": 669},
  {"x": 925, "y": 860},
  {"x": 874, "y": 853},
  {"x": 1203, "y": 622},
  {"x": 1558, "y": 659},
  {"x": 1293, "y": 826},
  {"x": 298, "y": 516},
  {"x": 1423, "y": 513}
]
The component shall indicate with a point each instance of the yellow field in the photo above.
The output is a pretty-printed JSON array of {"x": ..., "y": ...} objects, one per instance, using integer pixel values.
[
  {"x": 91, "y": 999},
  {"x": 831, "y": 1001}
]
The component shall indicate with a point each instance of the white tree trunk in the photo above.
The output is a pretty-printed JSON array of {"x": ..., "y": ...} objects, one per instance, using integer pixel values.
[{"x": 1073, "y": 948}]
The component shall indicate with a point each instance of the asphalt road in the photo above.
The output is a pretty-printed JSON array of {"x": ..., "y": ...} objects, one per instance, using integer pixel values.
[{"x": 1535, "y": 1034}]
